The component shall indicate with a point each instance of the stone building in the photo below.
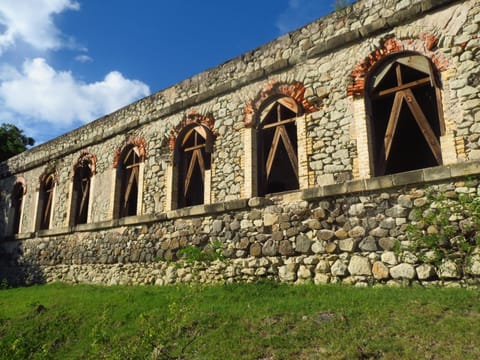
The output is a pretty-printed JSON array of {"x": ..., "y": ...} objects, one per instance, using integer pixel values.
[{"x": 309, "y": 158}]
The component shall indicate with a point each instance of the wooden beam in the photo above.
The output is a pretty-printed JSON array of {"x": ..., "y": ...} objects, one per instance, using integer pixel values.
[
  {"x": 290, "y": 150},
  {"x": 283, "y": 122},
  {"x": 392, "y": 123},
  {"x": 402, "y": 87},
  {"x": 425, "y": 127},
  {"x": 272, "y": 152}
]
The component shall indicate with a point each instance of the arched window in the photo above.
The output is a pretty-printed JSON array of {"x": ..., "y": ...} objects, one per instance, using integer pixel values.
[
  {"x": 128, "y": 174},
  {"x": 81, "y": 192},
  {"x": 17, "y": 200},
  {"x": 404, "y": 106},
  {"x": 193, "y": 148},
  {"x": 277, "y": 146},
  {"x": 45, "y": 201}
]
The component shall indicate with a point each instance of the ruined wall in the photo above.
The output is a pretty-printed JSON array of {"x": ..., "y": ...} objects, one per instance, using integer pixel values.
[{"x": 322, "y": 65}]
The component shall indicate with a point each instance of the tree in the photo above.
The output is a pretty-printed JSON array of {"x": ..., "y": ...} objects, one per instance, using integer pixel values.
[{"x": 12, "y": 141}]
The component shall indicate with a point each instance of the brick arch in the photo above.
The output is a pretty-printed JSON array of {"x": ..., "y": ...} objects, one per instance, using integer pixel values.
[
  {"x": 85, "y": 156},
  {"x": 21, "y": 180},
  {"x": 136, "y": 141},
  {"x": 50, "y": 169},
  {"x": 295, "y": 90},
  {"x": 425, "y": 44},
  {"x": 190, "y": 119}
]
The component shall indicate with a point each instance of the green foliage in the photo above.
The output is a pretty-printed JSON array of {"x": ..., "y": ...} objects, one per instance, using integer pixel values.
[
  {"x": 211, "y": 252},
  {"x": 12, "y": 141},
  {"x": 445, "y": 228}
]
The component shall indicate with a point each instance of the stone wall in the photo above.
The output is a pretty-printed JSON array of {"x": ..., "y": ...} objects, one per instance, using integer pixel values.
[
  {"x": 322, "y": 66},
  {"x": 417, "y": 227}
]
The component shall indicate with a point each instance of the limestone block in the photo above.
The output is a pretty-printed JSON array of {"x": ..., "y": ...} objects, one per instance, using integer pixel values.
[
  {"x": 389, "y": 258},
  {"x": 368, "y": 244},
  {"x": 387, "y": 243},
  {"x": 347, "y": 245},
  {"x": 357, "y": 231},
  {"x": 304, "y": 272},
  {"x": 288, "y": 273},
  {"x": 325, "y": 235},
  {"x": 448, "y": 269},
  {"x": 302, "y": 244},
  {"x": 359, "y": 265},
  {"x": 269, "y": 248},
  {"x": 380, "y": 270},
  {"x": 403, "y": 271},
  {"x": 318, "y": 247},
  {"x": 322, "y": 267},
  {"x": 339, "y": 268},
  {"x": 256, "y": 250},
  {"x": 425, "y": 272},
  {"x": 321, "y": 279},
  {"x": 285, "y": 248}
]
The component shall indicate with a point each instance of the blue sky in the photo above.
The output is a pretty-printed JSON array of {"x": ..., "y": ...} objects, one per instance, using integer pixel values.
[{"x": 64, "y": 63}]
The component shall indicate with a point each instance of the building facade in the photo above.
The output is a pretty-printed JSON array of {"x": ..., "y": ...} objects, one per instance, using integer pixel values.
[{"x": 312, "y": 149}]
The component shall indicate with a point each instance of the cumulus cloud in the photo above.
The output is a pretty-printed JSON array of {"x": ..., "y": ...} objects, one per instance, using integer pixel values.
[
  {"x": 32, "y": 22},
  {"x": 43, "y": 94},
  {"x": 33, "y": 94}
]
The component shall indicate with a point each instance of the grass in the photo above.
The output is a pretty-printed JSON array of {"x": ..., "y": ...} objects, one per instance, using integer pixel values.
[{"x": 238, "y": 321}]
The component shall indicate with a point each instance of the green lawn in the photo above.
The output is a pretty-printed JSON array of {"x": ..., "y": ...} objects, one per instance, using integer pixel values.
[{"x": 238, "y": 321}]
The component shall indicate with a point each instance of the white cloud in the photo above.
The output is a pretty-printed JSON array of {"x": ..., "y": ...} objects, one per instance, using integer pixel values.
[
  {"x": 83, "y": 58},
  {"x": 31, "y": 21},
  {"x": 42, "y": 94}
]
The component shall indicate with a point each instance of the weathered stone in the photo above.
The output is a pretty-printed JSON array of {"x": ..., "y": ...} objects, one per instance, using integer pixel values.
[
  {"x": 322, "y": 267},
  {"x": 356, "y": 232},
  {"x": 217, "y": 226},
  {"x": 313, "y": 224},
  {"x": 389, "y": 258},
  {"x": 397, "y": 211},
  {"x": 270, "y": 219},
  {"x": 403, "y": 271},
  {"x": 387, "y": 243},
  {"x": 448, "y": 269},
  {"x": 302, "y": 244},
  {"x": 347, "y": 245},
  {"x": 425, "y": 271},
  {"x": 359, "y": 265},
  {"x": 288, "y": 273},
  {"x": 285, "y": 248},
  {"x": 339, "y": 268},
  {"x": 304, "y": 272},
  {"x": 380, "y": 271},
  {"x": 321, "y": 279},
  {"x": 379, "y": 232},
  {"x": 357, "y": 210},
  {"x": 269, "y": 248},
  {"x": 341, "y": 234},
  {"x": 256, "y": 250},
  {"x": 368, "y": 244},
  {"x": 317, "y": 247},
  {"x": 325, "y": 235},
  {"x": 331, "y": 247}
]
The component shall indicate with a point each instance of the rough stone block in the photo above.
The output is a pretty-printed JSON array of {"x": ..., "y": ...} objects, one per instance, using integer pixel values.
[
  {"x": 380, "y": 271},
  {"x": 403, "y": 271},
  {"x": 359, "y": 265}
]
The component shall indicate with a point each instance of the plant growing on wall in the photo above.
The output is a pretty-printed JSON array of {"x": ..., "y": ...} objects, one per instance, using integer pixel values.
[{"x": 447, "y": 227}]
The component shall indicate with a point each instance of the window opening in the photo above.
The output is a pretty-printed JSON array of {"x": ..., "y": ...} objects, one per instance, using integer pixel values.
[
  {"x": 406, "y": 124},
  {"x": 46, "y": 196},
  {"x": 277, "y": 138},
  {"x": 194, "y": 161},
  {"x": 128, "y": 173},
  {"x": 17, "y": 200},
  {"x": 81, "y": 189}
]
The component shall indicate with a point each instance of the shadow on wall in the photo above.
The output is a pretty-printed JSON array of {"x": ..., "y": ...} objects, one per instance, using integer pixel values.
[{"x": 14, "y": 269}]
